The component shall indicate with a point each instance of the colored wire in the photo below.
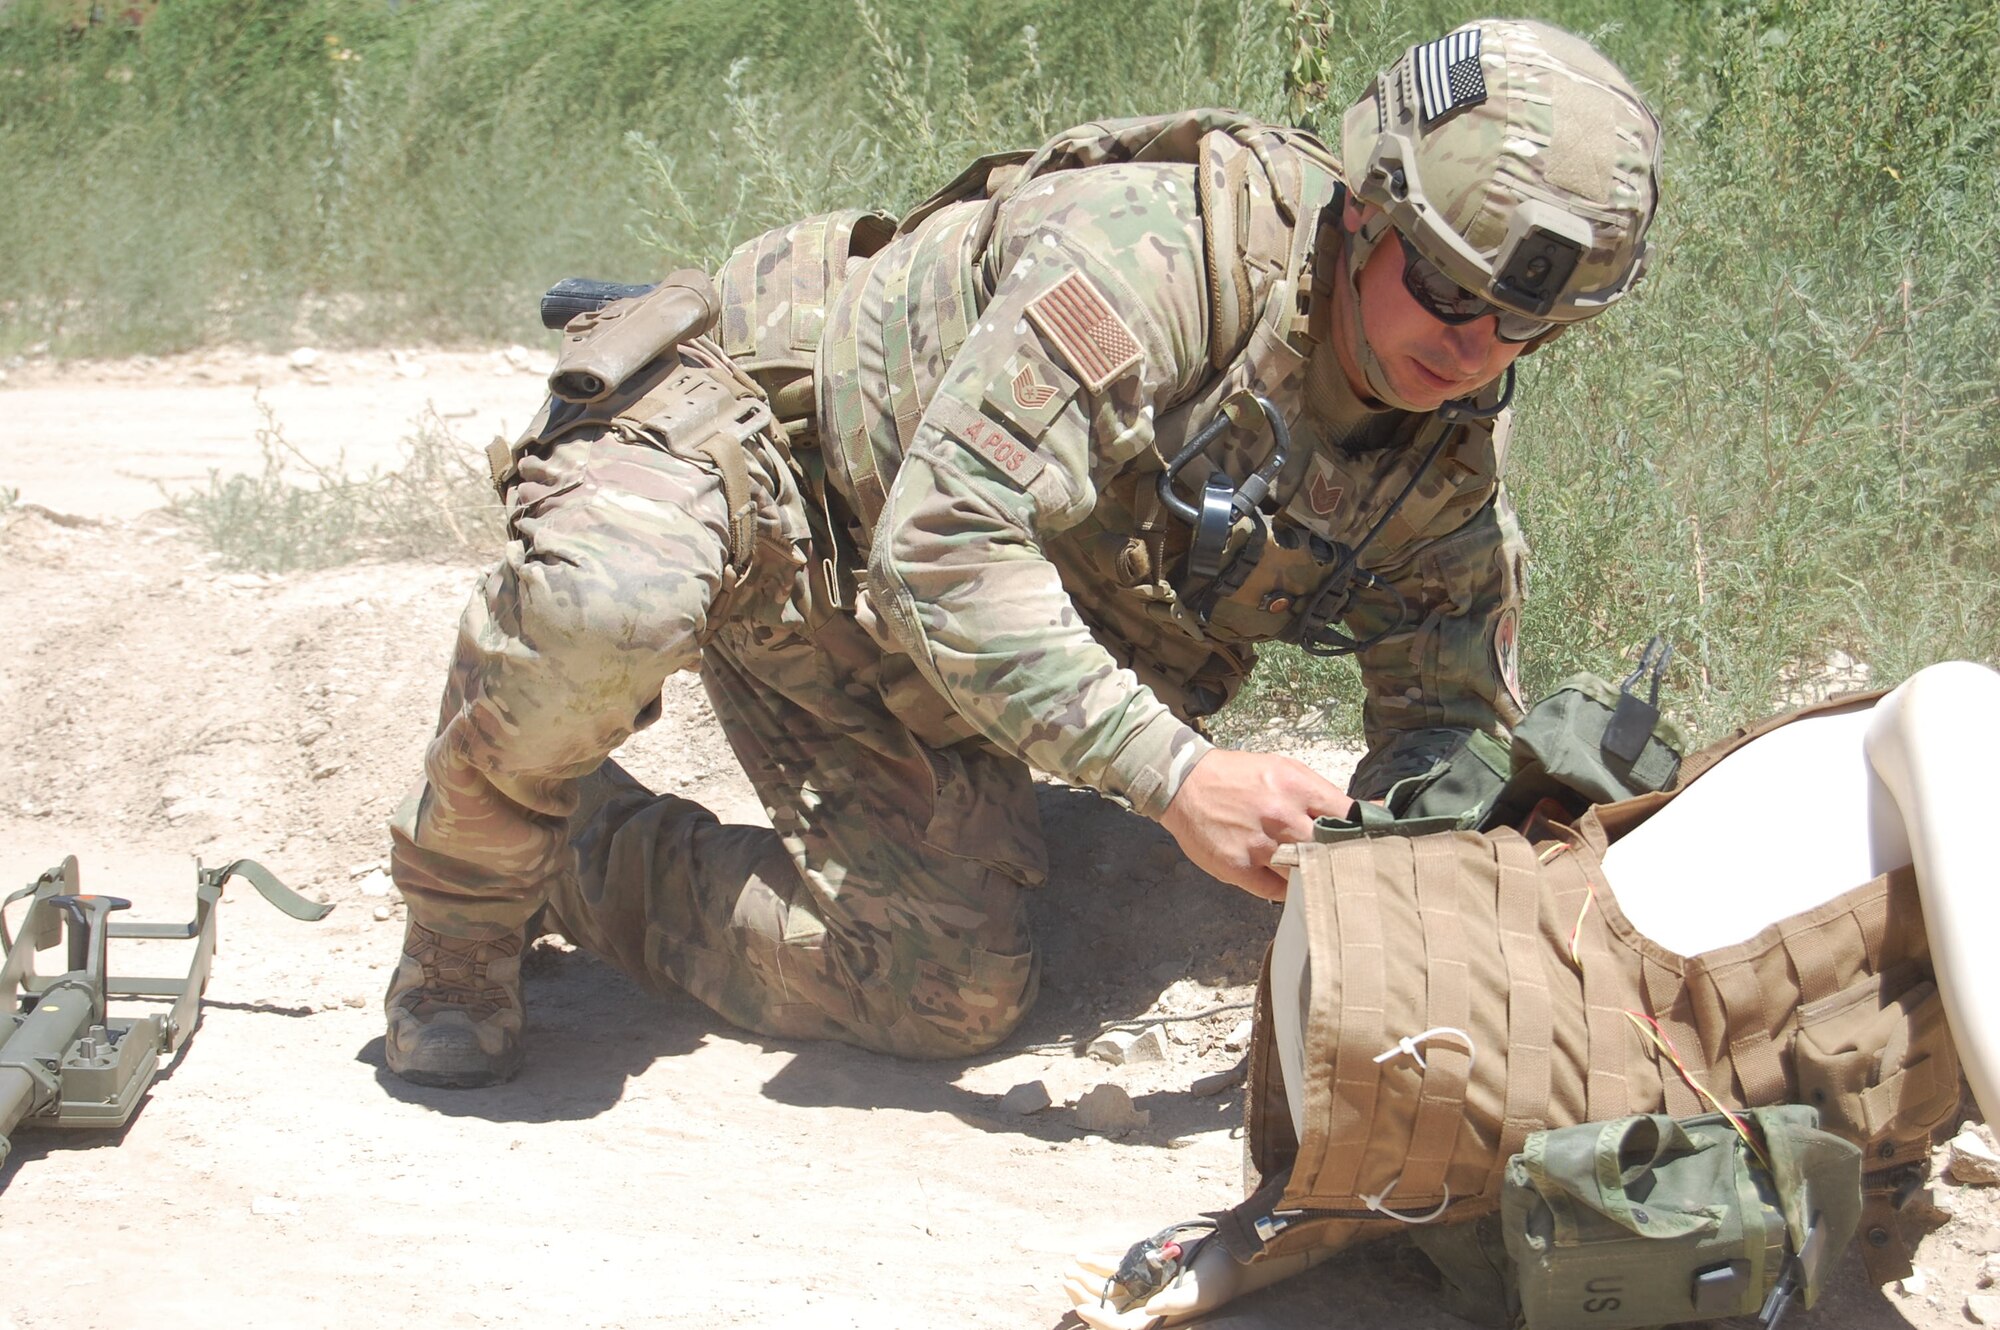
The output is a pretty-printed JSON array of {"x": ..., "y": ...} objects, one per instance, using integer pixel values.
[{"x": 1664, "y": 1044}]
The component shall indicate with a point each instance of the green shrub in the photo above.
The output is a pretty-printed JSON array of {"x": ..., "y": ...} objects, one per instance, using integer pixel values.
[
  {"x": 1787, "y": 442},
  {"x": 436, "y": 504}
]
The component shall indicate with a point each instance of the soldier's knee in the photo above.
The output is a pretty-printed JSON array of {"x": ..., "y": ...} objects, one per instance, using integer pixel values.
[
  {"x": 947, "y": 1014},
  {"x": 581, "y": 607}
]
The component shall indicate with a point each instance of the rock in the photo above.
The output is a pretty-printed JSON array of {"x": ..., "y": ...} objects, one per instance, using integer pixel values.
[
  {"x": 1028, "y": 1097},
  {"x": 1915, "y": 1284},
  {"x": 364, "y": 869},
  {"x": 1973, "y": 1159},
  {"x": 355, "y": 1000},
  {"x": 376, "y": 883},
  {"x": 1217, "y": 1081},
  {"x": 272, "y": 1205},
  {"x": 1122, "y": 1047},
  {"x": 1108, "y": 1110},
  {"x": 528, "y": 362},
  {"x": 302, "y": 359},
  {"x": 407, "y": 366},
  {"x": 1983, "y": 1308},
  {"x": 1239, "y": 1038},
  {"x": 1989, "y": 1271},
  {"x": 384, "y": 913}
]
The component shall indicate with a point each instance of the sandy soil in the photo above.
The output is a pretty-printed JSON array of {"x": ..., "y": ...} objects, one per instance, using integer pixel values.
[{"x": 651, "y": 1166}]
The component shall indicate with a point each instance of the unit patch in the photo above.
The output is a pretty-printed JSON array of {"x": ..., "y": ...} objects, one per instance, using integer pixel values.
[
  {"x": 1081, "y": 324},
  {"x": 1029, "y": 392},
  {"x": 1507, "y": 653},
  {"x": 1013, "y": 458}
]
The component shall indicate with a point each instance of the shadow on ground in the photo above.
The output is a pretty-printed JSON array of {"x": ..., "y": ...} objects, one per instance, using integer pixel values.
[{"x": 590, "y": 1031}]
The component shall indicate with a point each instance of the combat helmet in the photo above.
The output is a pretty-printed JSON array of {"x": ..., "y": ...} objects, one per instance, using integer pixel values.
[{"x": 1520, "y": 167}]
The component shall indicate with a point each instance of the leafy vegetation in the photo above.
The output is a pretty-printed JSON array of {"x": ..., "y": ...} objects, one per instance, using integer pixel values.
[{"x": 1784, "y": 445}]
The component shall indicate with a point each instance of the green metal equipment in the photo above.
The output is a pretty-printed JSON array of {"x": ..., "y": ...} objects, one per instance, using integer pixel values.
[{"x": 65, "y": 1059}]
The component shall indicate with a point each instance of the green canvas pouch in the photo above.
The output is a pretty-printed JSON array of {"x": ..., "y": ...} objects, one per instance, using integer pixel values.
[
  {"x": 1649, "y": 1220},
  {"x": 1588, "y": 742}
]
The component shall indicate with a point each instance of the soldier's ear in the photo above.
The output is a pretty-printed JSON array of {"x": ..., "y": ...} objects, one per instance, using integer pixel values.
[
  {"x": 1351, "y": 215},
  {"x": 1537, "y": 343}
]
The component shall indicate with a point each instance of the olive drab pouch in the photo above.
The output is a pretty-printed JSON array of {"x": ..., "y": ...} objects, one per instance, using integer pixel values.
[
  {"x": 1454, "y": 794},
  {"x": 1588, "y": 742},
  {"x": 1648, "y": 1219}
]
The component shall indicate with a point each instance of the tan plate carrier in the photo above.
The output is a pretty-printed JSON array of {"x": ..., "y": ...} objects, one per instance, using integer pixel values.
[{"x": 1516, "y": 940}]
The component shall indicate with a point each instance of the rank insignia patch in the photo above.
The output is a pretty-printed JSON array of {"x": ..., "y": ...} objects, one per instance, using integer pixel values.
[
  {"x": 1322, "y": 495},
  {"x": 1081, "y": 324},
  {"x": 1029, "y": 392},
  {"x": 1448, "y": 75}
]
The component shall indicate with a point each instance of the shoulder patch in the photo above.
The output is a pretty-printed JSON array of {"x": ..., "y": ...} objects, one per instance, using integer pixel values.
[
  {"x": 1030, "y": 392},
  {"x": 1014, "y": 459},
  {"x": 1081, "y": 324},
  {"x": 1507, "y": 653}
]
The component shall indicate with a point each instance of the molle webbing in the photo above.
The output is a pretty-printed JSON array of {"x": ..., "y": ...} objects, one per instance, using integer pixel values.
[
  {"x": 1409, "y": 937},
  {"x": 916, "y": 299},
  {"x": 1441, "y": 936},
  {"x": 776, "y": 287}
]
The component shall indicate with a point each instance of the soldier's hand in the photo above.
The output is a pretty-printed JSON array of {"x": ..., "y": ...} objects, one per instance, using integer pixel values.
[{"x": 1235, "y": 809}]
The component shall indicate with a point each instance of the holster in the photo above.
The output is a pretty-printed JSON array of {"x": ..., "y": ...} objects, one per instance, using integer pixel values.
[{"x": 605, "y": 347}]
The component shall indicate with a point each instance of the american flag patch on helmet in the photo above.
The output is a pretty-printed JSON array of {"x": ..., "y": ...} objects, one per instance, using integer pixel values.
[
  {"x": 1448, "y": 74},
  {"x": 1075, "y": 317}
]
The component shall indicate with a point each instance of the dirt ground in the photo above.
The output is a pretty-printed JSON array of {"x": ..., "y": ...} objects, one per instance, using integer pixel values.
[{"x": 652, "y": 1166}]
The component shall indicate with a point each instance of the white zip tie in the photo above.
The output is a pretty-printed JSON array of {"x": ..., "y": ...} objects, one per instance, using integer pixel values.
[
  {"x": 1375, "y": 1202},
  {"x": 1408, "y": 1044}
]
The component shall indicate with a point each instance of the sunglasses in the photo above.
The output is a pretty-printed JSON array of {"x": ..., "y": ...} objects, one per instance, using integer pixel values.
[{"x": 1448, "y": 302}]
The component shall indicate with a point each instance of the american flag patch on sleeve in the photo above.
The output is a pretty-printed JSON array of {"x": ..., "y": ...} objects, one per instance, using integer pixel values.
[
  {"x": 1449, "y": 76},
  {"x": 1081, "y": 324}
]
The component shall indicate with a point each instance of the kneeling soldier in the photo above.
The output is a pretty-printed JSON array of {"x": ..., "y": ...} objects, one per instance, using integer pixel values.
[{"x": 1017, "y": 482}]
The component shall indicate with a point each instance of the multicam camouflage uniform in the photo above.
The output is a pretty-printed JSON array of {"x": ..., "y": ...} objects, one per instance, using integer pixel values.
[{"x": 960, "y": 570}]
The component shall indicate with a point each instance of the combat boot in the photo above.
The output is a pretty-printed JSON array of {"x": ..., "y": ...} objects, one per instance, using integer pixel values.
[{"x": 454, "y": 1008}]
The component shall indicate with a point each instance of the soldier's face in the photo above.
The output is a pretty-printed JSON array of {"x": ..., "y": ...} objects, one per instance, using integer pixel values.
[{"x": 1427, "y": 361}]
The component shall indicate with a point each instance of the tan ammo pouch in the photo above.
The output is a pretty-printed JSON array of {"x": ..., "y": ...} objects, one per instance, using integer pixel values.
[{"x": 1518, "y": 949}]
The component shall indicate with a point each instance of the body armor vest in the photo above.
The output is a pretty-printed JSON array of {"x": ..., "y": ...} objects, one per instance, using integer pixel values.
[
  {"x": 1514, "y": 943},
  {"x": 1262, "y": 190}
]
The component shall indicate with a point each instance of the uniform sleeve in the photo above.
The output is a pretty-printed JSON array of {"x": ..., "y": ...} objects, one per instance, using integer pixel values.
[
  {"x": 1453, "y": 668},
  {"x": 1089, "y": 334}
]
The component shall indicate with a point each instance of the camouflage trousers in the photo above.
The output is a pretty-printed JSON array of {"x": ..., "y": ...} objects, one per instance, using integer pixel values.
[{"x": 883, "y": 908}]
